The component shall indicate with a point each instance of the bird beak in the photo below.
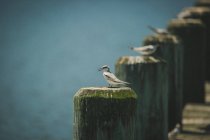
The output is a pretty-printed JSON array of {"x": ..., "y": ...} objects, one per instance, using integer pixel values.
[{"x": 100, "y": 69}]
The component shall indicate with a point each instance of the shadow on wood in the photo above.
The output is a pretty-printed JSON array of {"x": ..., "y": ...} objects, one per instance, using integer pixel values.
[
  {"x": 191, "y": 32},
  {"x": 148, "y": 77},
  {"x": 170, "y": 50},
  {"x": 202, "y": 13}
]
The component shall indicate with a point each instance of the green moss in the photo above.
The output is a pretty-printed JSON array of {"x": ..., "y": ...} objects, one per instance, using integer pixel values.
[
  {"x": 115, "y": 93},
  {"x": 104, "y": 113}
]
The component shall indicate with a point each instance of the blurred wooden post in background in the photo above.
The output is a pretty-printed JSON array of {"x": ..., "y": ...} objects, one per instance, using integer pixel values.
[
  {"x": 202, "y": 13},
  {"x": 171, "y": 51},
  {"x": 203, "y": 3},
  {"x": 192, "y": 35},
  {"x": 104, "y": 114},
  {"x": 149, "y": 79}
]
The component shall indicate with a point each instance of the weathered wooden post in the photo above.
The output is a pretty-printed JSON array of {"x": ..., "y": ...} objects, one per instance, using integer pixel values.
[
  {"x": 202, "y": 13},
  {"x": 148, "y": 76},
  {"x": 204, "y": 3},
  {"x": 171, "y": 51},
  {"x": 104, "y": 114},
  {"x": 192, "y": 34}
]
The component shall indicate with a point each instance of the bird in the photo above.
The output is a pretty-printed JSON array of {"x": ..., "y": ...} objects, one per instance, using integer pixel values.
[
  {"x": 158, "y": 30},
  {"x": 145, "y": 50},
  {"x": 184, "y": 14},
  {"x": 111, "y": 78},
  {"x": 173, "y": 133}
]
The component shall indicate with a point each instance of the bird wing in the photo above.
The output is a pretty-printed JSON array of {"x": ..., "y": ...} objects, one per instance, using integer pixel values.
[
  {"x": 162, "y": 31},
  {"x": 183, "y": 14},
  {"x": 113, "y": 78},
  {"x": 144, "y": 48}
]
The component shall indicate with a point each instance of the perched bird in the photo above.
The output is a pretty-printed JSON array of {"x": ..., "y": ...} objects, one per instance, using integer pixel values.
[
  {"x": 111, "y": 78},
  {"x": 184, "y": 14},
  {"x": 145, "y": 50},
  {"x": 159, "y": 30},
  {"x": 173, "y": 133}
]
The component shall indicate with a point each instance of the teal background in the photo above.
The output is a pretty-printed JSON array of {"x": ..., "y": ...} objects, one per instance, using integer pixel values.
[{"x": 51, "y": 48}]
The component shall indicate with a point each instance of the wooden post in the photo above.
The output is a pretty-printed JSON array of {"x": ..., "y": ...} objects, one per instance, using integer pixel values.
[
  {"x": 104, "y": 114},
  {"x": 171, "y": 51},
  {"x": 192, "y": 34},
  {"x": 148, "y": 76},
  {"x": 204, "y": 3},
  {"x": 203, "y": 13}
]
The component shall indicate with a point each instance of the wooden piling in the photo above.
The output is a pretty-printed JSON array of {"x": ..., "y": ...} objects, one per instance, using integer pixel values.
[
  {"x": 203, "y": 3},
  {"x": 202, "y": 13},
  {"x": 191, "y": 32},
  {"x": 171, "y": 51},
  {"x": 148, "y": 76},
  {"x": 104, "y": 113}
]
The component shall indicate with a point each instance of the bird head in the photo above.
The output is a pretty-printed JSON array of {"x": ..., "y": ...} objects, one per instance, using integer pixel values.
[{"x": 104, "y": 68}]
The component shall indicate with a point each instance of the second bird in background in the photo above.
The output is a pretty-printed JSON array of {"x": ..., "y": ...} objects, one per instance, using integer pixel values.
[
  {"x": 145, "y": 50},
  {"x": 159, "y": 31}
]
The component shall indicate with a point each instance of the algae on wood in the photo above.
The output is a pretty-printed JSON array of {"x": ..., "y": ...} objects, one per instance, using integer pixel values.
[
  {"x": 104, "y": 114},
  {"x": 148, "y": 77},
  {"x": 171, "y": 51},
  {"x": 191, "y": 32},
  {"x": 203, "y": 13}
]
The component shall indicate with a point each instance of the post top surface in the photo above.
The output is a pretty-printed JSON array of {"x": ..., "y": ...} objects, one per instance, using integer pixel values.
[
  {"x": 197, "y": 10},
  {"x": 202, "y": 3},
  {"x": 105, "y": 92},
  {"x": 185, "y": 22},
  {"x": 106, "y": 88},
  {"x": 161, "y": 39},
  {"x": 139, "y": 59}
]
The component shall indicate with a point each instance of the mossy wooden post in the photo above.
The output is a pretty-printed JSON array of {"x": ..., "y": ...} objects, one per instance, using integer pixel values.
[
  {"x": 104, "y": 114},
  {"x": 148, "y": 77},
  {"x": 203, "y": 13},
  {"x": 203, "y": 3},
  {"x": 171, "y": 51},
  {"x": 192, "y": 34}
]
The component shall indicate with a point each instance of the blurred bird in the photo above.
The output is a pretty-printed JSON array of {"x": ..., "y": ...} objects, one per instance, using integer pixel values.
[
  {"x": 173, "y": 133},
  {"x": 145, "y": 50},
  {"x": 184, "y": 14},
  {"x": 158, "y": 30},
  {"x": 111, "y": 78}
]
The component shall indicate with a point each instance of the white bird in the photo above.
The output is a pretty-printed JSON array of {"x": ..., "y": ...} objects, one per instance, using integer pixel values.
[
  {"x": 159, "y": 30},
  {"x": 111, "y": 78},
  {"x": 173, "y": 133},
  {"x": 184, "y": 14},
  {"x": 145, "y": 50}
]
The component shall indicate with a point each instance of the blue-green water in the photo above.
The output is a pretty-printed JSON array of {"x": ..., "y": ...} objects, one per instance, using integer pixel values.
[{"x": 51, "y": 48}]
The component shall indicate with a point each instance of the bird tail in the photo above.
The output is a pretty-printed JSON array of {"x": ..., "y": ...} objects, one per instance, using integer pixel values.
[
  {"x": 152, "y": 28},
  {"x": 126, "y": 83}
]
